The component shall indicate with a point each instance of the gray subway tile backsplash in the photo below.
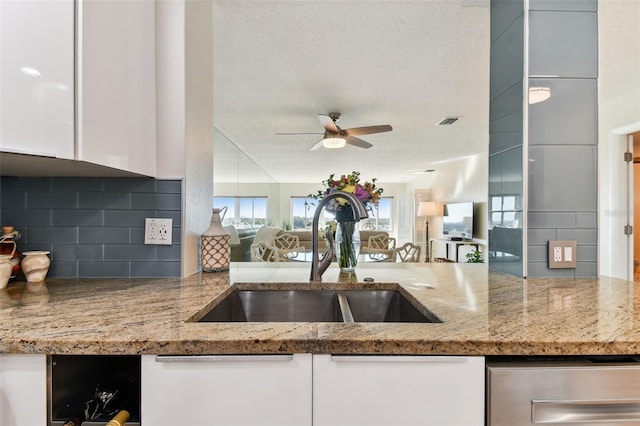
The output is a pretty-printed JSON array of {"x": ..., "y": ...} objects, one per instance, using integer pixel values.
[
  {"x": 77, "y": 185},
  {"x": 20, "y": 217},
  {"x": 52, "y": 200},
  {"x": 552, "y": 219},
  {"x": 103, "y": 235},
  {"x": 104, "y": 200},
  {"x": 128, "y": 252},
  {"x": 92, "y": 226},
  {"x": 127, "y": 185},
  {"x": 103, "y": 269},
  {"x": 169, "y": 186},
  {"x": 52, "y": 234},
  {"x": 68, "y": 217},
  {"x": 156, "y": 201},
  {"x": 158, "y": 269},
  {"x": 583, "y": 236}
]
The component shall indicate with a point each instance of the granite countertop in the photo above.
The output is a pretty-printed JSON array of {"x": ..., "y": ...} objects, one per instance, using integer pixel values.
[{"x": 484, "y": 313}]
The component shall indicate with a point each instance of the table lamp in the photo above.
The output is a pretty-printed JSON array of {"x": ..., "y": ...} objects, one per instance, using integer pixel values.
[{"x": 427, "y": 209}]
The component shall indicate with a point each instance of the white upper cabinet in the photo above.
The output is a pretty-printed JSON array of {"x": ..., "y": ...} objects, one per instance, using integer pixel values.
[
  {"x": 78, "y": 81},
  {"x": 116, "y": 102},
  {"x": 36, "y": 77}
]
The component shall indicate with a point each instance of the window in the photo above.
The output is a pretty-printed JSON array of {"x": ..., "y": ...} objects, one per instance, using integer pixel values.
[
  {"x": 303, "y": 209},
  {"x": 505, "y": 211},
  {"x": 379, "y": 216},
  {"x": 243, "y": 212}
]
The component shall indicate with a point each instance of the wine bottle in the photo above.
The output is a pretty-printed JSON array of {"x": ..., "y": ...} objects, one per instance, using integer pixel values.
[
  {"x": 111, "y": 396},
  {"x": 119, "y": 419},
  {"x": 74, "y": 421}
]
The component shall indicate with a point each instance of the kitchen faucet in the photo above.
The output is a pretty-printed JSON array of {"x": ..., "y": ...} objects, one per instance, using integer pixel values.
[{"x": 318, "y": 266}]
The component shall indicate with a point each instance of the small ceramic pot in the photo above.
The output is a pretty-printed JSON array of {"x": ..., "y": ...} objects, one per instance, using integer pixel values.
[
  {"x": 5, "y": 269},
  {"x": 35, "y": 265}
]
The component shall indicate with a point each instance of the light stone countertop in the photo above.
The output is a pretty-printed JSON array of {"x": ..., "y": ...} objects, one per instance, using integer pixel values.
[{"x": 484, "y": 313}]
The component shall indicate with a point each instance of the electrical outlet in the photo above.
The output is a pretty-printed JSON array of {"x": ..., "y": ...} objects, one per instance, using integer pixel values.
[
  {"x": 158, "y": 231},
  {"x": 562, "y": 254}
]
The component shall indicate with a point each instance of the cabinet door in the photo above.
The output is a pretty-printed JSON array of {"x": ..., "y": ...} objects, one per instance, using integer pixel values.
[
  {"x": 398, "y": 390},
  {"x": 116, "y": 84},
  {"x": 226, "y": 390},
  {"x": 37, "y": 78},
  {"x": 23, "y": 390}
]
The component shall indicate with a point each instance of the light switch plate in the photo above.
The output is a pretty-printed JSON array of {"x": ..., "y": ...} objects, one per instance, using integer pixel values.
[{"x": 562, "y": 254}]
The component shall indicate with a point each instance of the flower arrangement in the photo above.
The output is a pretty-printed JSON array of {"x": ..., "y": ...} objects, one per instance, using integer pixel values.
[
  {"x": 366, "y": 192},
  {"x": 347, "y": 236}
]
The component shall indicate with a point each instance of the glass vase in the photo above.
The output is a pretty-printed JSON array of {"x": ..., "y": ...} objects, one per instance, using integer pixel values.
[{"x": 347, "y": 245}]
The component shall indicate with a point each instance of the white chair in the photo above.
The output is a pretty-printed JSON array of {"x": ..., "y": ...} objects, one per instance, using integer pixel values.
[
  {"x": 286, "y": 244},
  {"x": 263, "y": 252},
  {"x": 381, "y": 247},
  {"x": 408, "y": 252}
]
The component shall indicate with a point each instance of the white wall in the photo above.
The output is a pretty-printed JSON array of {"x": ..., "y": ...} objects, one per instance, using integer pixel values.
[
  {"x": 464, "y": 179},
  {"x": 185, "y": 113},
  {"x": 618, "y": 108}
]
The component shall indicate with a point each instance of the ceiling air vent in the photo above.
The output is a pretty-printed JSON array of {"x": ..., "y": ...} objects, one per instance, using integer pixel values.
[{"x": 448, "y": 121}]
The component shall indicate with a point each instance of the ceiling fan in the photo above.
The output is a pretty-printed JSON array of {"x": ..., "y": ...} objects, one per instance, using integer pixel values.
[{"x": 335, "y": 137}]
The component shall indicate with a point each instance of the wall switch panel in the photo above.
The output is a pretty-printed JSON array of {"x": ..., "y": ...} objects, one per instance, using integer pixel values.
[
  {"x": 562, "y": 254},
  {"x": 158, "y": 231}
]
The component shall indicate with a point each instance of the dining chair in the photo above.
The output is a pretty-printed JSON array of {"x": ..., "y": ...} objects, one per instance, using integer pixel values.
[
  {"x": 408, "y": 252},
  {"x": 286, "y": 244},
  {"x": 263, "y": 252},
  {"x": 382, "y": 245}
]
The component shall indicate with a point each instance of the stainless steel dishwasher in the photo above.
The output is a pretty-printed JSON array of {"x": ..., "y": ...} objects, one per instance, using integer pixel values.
[{"x": 589, "y": 391}]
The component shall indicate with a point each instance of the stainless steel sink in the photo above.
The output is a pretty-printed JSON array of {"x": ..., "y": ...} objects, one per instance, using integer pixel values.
[
  {"x": 316, "y": 305},
  {"x": 276, "y": 306}
]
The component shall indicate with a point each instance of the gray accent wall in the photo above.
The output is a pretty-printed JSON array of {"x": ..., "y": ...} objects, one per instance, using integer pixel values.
[
  {"x": 561, "y": 143},
  {"x": 94, "y": 227},
  {"x": 506, "y": 130}
]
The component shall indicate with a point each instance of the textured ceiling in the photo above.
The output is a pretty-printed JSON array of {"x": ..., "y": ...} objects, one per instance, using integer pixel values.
[{"x": 277, "y": 64}]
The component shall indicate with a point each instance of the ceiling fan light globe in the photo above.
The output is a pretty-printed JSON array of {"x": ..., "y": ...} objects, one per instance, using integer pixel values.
[
  {"x": 539, "y": 94},
  {"x": 334, "y": 143}
]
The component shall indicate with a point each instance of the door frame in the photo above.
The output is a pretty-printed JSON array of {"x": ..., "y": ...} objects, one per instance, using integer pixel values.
[{"x": 616, "y": 208}]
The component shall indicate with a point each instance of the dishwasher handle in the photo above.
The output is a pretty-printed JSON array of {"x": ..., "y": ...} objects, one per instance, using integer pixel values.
[{"x": 579, "y": 411}]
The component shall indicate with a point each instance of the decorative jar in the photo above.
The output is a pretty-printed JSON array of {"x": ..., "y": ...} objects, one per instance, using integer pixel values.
[
  {"x": 35, "y": 265},
  {"x": 8, "y": 246},
  {"x": 216, "y": 247},
  {"x": 5, "y": 269}
]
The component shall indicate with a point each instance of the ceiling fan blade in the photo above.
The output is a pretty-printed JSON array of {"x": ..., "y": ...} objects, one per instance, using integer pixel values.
[
  {"x": 297, "y": 133},
  {"x": 316, "y": 145},
  {"x": 357, "y": 131},
  {"x": 328, "y": 123},
  {"x": 358, "y": 142}
]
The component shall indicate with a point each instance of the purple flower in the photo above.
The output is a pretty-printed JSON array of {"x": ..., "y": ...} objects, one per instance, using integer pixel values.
[{"x": 361, "y": 193}]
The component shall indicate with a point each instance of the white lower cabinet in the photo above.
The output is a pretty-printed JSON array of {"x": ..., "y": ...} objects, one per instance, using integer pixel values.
[
  {"x": 23, "y": 390},
  {"x": 226, "y": 390},
  {"x": 321, "y": 390},
  {"x": 398, "y": 390}
]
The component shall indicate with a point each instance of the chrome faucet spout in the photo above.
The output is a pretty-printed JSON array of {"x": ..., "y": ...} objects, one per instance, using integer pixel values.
[{"x": 319, "y": 265}]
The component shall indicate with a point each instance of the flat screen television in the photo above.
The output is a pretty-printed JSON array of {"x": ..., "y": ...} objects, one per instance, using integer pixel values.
[{"x": 458, "y": 221}]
